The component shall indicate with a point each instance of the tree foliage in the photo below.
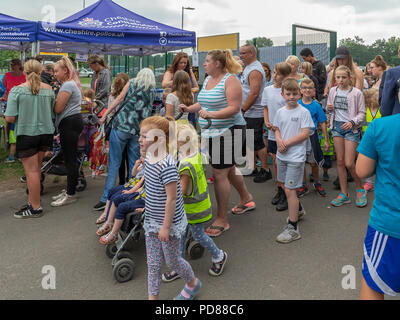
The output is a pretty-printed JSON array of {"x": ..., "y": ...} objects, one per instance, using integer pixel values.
[
  {"x": 6, "y": 56},
  {"x": 298, "y": 43},
  {"x": 363, "y": 53},
  {"x": 261, "y": 42}
]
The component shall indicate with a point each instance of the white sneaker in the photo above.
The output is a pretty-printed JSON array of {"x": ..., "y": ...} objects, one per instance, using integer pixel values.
[
  {"x": 248, "y": 172},
  {"x": 63, "y": 191},
  {"x": 289, "y": 234},
  {"x": 64, "y": 200}
]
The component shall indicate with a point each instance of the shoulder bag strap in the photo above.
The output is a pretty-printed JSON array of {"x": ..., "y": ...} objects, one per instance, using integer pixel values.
[{"x": 126, "y": 100}]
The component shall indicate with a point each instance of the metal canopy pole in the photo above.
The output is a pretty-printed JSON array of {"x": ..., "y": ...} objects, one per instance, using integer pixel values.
[{"x": 38, "y": 48}]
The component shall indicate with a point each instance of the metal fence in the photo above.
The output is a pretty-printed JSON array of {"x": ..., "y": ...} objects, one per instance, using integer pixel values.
[
  {"x": 202, "y": 57},
  {"x": 274, "y": 55},
  {"x": 321, "y": 42},
  {"x": 159, "y": 63}
]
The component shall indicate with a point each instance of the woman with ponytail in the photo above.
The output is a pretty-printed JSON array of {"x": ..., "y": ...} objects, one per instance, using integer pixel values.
[
  {"x": 220, "y": 100},
  {"x": 378, "y": 67},
  {"x": 69, "y": 124},
  {"x": 30, "y": 107}
]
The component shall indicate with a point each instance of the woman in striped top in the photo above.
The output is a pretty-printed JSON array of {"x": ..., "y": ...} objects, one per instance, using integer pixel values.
[
  {"x": 165, "y": 219},
  {"x": 220, "y": 100}
]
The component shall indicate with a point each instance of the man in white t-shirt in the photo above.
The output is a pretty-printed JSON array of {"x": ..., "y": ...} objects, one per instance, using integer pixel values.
[
  {"x": 293, "y": 124},
  {"x": 272, "y": 101}
]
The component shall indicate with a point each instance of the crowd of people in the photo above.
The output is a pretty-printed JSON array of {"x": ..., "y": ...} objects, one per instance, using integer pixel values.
[{"x": 295, "y": 114}]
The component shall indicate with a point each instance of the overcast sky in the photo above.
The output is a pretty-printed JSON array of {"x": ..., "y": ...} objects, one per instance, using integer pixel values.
[{"x": 369, "y": 19}]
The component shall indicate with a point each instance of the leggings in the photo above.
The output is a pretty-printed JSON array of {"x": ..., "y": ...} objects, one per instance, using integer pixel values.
[
  {"x": 70, "y": 129},
  {"x": 156, "y": 249},
  {"x": 201, "y": 237}
]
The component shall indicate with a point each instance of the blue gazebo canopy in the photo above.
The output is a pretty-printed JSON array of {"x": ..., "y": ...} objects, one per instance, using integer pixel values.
[
  {"x": 107, "y": 28},
  {"x": 16, "y": 34}
]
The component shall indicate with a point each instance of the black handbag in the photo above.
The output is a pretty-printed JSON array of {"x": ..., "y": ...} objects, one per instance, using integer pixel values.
[{"x": 110, "y": 118}]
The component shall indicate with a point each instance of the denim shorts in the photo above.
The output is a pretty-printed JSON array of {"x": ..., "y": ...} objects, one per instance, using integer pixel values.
[
  {"x": 349, "y": 135},
  {"x": 290, "y": 173}
]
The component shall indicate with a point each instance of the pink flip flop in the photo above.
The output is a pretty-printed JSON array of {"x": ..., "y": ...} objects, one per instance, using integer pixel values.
[
  {"x": 248, "y": 206},
  {"x": 219, "y": 228}
]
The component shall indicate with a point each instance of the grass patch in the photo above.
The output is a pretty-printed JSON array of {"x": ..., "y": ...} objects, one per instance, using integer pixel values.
[
  {"x": 85, "y": 80},
  {"x": 9, "y": 170}
]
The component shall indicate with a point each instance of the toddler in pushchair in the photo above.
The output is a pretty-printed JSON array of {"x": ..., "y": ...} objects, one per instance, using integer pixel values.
[{"x": 123, "y": 215}]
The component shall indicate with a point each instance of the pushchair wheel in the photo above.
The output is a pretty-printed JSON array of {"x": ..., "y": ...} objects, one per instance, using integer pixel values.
[
  {"x": 123, "y": 270},
  {"x": 111, "y": 250},
  {"x": 41, "y": 189},
  {"x": 81, "y": 185},
  {"x": 125, "y": 254},
  {"x": 195, "y": 250}
]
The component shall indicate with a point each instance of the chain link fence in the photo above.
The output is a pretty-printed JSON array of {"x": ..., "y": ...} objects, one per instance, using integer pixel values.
[{"x": 159, "y": 63}]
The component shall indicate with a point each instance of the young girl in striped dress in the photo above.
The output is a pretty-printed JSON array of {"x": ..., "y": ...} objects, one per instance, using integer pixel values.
[{"x": 165, "y": 219}]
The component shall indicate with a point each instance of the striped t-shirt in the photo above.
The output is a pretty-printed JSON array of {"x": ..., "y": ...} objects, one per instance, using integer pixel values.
[
  {"x": 157, "y": 176},
  {"x": 215, "y": 100}
]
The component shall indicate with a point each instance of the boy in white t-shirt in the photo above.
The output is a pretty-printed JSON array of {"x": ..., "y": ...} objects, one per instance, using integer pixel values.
[
  {"x": 272, "y": 101},
  {"x": 293, "y": 124}
]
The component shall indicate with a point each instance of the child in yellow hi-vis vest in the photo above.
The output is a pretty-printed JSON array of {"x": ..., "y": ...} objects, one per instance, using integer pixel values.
[
  {"x": 196, "y": 198},
  {"x": 327, "y": 154},
  {"x": 371, "y": 97}
]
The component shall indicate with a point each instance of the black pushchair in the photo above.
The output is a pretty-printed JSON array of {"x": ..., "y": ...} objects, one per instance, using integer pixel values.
[
  {"x": 55, "y": 164},
  {"x": 129, "y": 235}
]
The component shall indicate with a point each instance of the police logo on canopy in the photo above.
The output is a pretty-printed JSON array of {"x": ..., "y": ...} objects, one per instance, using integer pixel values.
[{"x": 90, "y": 22}]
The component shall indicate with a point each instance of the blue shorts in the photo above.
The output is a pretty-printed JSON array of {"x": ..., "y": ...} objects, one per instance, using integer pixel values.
[
  {"x": 381, "y": 263},
  {"x": 272, "y": 147},
  {"x": 328, "y": 162},
  {"x": 349, "y": 135}
]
